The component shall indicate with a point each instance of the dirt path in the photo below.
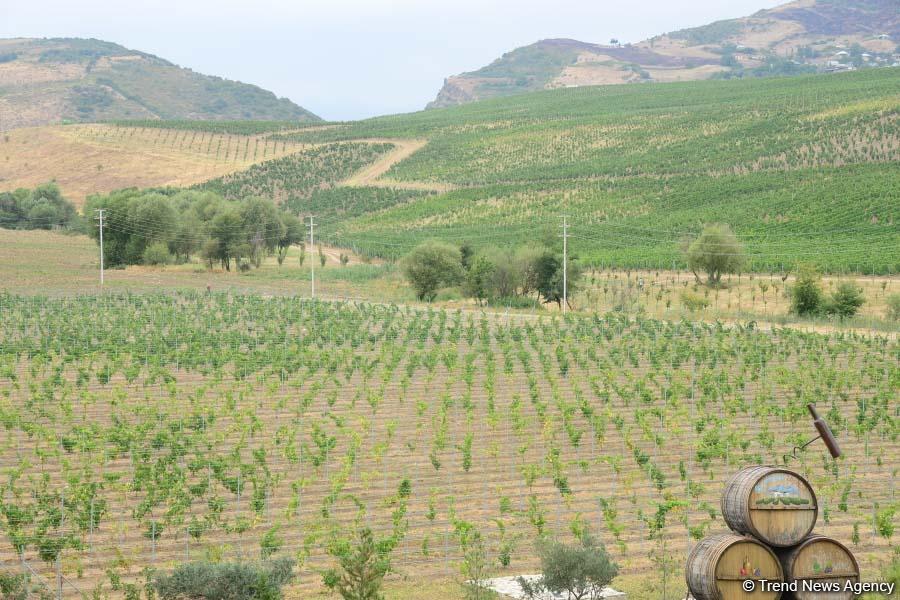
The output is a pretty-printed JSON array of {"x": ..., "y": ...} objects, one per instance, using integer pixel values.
[{"x": 370, "y": 175}]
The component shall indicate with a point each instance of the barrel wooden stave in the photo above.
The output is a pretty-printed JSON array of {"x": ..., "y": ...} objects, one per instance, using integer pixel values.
[
  {"x": 814, "y": 559},
  {"x": 719, "y": 564},
  {"x": 774, "y": 505}
]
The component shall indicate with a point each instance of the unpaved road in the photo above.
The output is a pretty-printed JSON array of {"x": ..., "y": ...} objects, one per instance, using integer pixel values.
[{"x": 370, "y": 175}]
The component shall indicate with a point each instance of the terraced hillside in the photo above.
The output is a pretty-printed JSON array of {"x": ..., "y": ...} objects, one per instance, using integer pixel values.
[
  {"x": 49, "y": 81},
  {"x": 151, "y": 430},
  {"x": 792, "y": 164}
]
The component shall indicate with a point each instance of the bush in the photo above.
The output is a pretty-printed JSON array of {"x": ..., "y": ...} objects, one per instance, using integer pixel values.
[
  {"x": 846, "y": 300},
  {"x": 525, "y": 302},
  {"x": 226, "y": 581},
  {"x": 18, "y": 587},
  {"x": 893, "y": 307},
  {"x": 361, "y": 571},
  {"x": 806, "y": 293},
  {"x": 693, "y": 302},
  {"x": 580, "y": 571},
  {"x": 157, "y": 253},
  {"x": 448, "y": 294}
]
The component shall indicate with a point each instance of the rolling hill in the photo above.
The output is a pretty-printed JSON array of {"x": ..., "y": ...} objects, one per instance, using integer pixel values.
[
  {"x": 51, "y": 81},
  {"x": 790, "y": 163},
  {"x": 799, "y": 37}
]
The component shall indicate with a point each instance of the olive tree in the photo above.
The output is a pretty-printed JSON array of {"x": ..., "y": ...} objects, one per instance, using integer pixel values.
[
  {"x": 716, "y": 251},
  {"x": 580, "y": 571}
]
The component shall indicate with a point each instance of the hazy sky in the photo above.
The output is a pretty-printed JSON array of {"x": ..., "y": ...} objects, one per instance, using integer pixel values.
[{"x": 348, "y": 59}]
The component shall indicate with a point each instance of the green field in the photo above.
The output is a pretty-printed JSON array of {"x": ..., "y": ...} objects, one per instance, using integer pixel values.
[
  {"x": 167, "y": 428},
  {"x": 792, "y": 164}
]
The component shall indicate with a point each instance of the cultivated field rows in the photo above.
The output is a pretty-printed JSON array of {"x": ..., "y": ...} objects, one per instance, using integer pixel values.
[{"x": 513, "y": 425}]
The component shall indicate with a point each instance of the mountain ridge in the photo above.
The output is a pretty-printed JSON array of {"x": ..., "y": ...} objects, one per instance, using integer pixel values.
[
  {"x": 56, "y": 80},
  {"x": 799, "y": 37}
]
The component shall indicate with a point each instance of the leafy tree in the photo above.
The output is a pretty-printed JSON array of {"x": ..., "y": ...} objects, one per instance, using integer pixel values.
[
  {"x": 226, "y": 232},
  {"x": 157, "y": 253},
  {"x": 361, "y": 568},
  {"x": 505, "y": 277},
  {"x": 262, "y": 224},
  {"x": 716, "y": 251},
  {"x": 525, "y": 264},
  {"x": 292, "y": 233},
  {"x": 430, "y": 266},
  {"x": 846, "y": 300},
  {"x": 806, "y": 293},
  {"x": 186, "y": 240},
  {"x": 466, "y": 252},
  {"x": 548, "y": 271},
  {"x": 151, "y": 219},
  {"x": 478, "y": 277},
  {"x": 41, "y": 208}
]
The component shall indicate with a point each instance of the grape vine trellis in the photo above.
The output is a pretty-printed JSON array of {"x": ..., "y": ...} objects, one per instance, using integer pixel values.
[{"x": 155, "y": 429}]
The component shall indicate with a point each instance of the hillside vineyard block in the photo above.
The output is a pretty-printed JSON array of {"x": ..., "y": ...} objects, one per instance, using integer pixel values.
[
  {"x": 718, "y": 566},
  {"x": 823, "y": 560},
  {"x": 776, "y": 506}
]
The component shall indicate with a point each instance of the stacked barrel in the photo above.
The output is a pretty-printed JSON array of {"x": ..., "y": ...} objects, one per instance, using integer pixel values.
[{"x": 771, "y": 513}]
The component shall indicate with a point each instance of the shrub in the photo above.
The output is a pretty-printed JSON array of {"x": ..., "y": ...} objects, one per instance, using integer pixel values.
[
  {"x": 361, "y": 569},
  {"x": 693, "y": 302},
  {"x": 526, "y": 302},
  {"x": 474, "y": 560},
  {"x": 157, "y": 253},
  {"x": 806, "y": 293},
  {"x": 448, "y": 294},
  {"x": 18, "y": 587},
  {"x": 580, "y": 571},
  {"x": 226, "y": 581},
  {"x": 845, "y": 300},
  {"x": 893, "y": 307}
]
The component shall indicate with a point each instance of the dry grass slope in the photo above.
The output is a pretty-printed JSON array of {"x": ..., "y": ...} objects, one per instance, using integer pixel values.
[{"x": 88, "y": 159}]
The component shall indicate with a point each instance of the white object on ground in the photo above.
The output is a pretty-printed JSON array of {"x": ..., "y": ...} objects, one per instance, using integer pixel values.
[{"x": 508, "y": 586}]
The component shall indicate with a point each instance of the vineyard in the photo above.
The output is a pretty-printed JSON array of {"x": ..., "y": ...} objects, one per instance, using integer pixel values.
[
  {"x": 787, "y": 162},
  {"x": 295, "y": 178},
  {"x": 151, "y": 430},
  {"x": 90, "y": 159}
]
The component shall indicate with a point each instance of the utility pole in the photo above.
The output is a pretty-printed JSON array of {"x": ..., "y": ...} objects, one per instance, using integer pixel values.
[
  {"x": 100, "y": 212},
  {"x": 312, "y": 263},
  {"x": 565, "y": 237}
]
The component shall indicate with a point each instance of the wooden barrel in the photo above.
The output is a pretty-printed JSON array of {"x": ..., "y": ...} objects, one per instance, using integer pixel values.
[
  {"x": 718, "y": 566},
  {"x": 821, "y": 560},
  {"x": 776, "y": 506}
]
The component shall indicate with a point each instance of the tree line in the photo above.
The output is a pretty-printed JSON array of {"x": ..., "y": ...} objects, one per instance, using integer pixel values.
[
  {"x": 508, "y": 276},
  {"x": 162, "y": 226},
  {"x": 41, "y": 208}
]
